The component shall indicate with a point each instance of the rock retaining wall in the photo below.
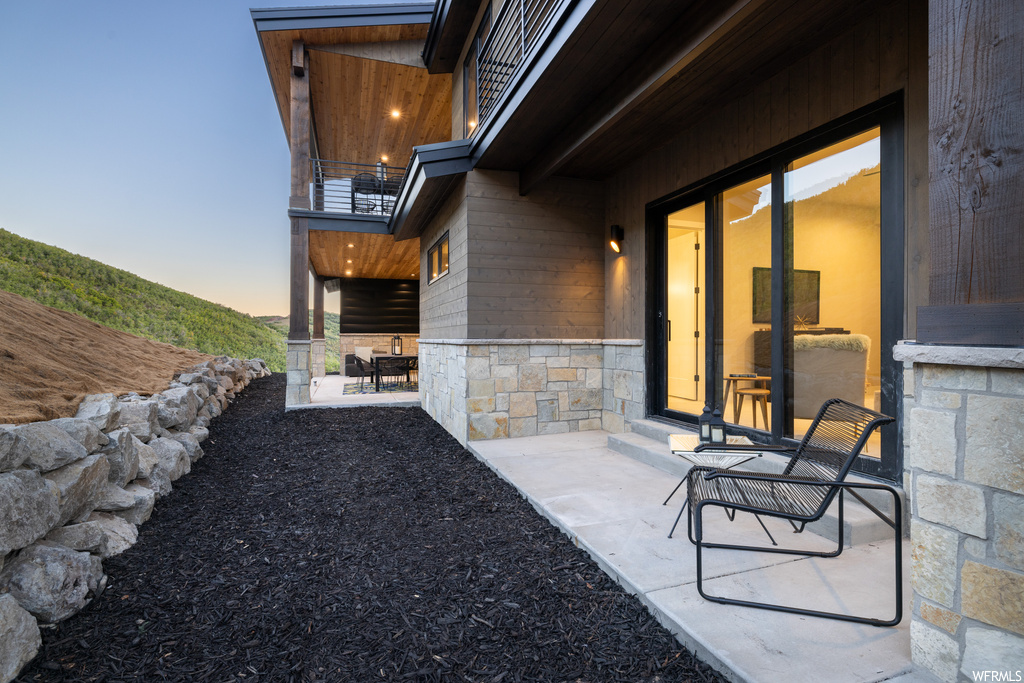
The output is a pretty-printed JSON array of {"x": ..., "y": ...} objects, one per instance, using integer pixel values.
[{"x": 74, "y": 490}]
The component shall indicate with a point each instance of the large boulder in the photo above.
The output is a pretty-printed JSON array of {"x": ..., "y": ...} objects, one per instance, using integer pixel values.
[
  {"x": 140, "y": 416},
  {"x": 178, "y": 408},
  {"x": 51, "y": 581},
  {"x": 173, "y": 457},
  {"x": 83, "y": 431},
  {"x": 141, "y": 508},
  {"x": 19, "y": 637},
  {"x": 199, "y": 431},
  {"x": 10, "y": 458},
  {"x": 89, "y": 537},
  {"x": 45, "y": 446},
  {"x": 121, "y": 534},
  {"x": 100, "y": 409},
  {"x": 81, "y": 484},
  {"x": 171, "y": 462},
  {"x": 29, "y": 507},
  {"x": 190, "y": 442},
  {"x": 122, "y": 453},
  {"x": 147, "y": 459}
]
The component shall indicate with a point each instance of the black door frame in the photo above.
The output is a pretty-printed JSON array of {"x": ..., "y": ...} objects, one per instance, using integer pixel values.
[{"x": 887, "y": 114}]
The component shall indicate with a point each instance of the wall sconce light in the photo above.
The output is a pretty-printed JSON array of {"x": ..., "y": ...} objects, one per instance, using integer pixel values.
[
  {"x": 396, "y": 346},
  {"x": 618, "y": 234}
]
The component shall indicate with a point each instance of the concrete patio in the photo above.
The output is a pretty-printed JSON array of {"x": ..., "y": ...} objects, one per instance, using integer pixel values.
[
  {"x": 610, "y": 504},
  {"x": 329, "y": 392}
]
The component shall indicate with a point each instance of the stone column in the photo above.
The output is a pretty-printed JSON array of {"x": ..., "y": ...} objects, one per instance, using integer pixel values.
[
  {"x": 299, "y": 365},
  {"x": 964, "y": 473}
]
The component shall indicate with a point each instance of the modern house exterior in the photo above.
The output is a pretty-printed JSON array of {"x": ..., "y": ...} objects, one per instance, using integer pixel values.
[{"x": 807, "y": 199}]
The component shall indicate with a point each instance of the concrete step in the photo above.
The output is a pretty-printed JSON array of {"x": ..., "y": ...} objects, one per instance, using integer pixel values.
[{"x": 648, "y": 443}]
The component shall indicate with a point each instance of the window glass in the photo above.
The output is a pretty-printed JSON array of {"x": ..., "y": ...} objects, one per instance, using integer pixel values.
[
  {"x": 684, "y": 329},
  {"x": 437, "y": 259},
  {"x": 833, "y": 214}
]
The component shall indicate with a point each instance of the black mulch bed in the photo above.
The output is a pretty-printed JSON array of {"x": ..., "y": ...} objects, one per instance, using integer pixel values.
[{"x": 353, "y": 545}]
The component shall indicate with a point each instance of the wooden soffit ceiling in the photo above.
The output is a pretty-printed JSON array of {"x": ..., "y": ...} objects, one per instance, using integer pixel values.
[
  {"x": 353, "y": 95},
  {"x": 372, "y": 256}
]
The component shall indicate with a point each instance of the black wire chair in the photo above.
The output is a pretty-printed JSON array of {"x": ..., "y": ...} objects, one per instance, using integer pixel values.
[
  {"x": 802, "y": 494},
  {"x": 363, "y": 371}
]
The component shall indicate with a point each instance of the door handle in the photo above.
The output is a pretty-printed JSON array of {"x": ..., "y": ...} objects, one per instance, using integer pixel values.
[{"x": 670, "y": 330}]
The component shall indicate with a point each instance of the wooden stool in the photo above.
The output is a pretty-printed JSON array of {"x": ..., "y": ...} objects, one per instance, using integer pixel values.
[{"x": 758, "y": 396}]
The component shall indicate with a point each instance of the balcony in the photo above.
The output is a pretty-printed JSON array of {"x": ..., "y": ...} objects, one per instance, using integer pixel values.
[
  {"x": 513, "y": 37},
  {"x": 364, "y": 189}
]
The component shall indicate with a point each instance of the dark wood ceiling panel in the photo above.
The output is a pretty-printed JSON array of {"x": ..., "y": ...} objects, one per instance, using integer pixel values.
[{"x": 373, "y": 256}]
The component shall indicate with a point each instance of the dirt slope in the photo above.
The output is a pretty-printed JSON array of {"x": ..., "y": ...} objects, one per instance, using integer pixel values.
[{"x": 50, "y": 360}]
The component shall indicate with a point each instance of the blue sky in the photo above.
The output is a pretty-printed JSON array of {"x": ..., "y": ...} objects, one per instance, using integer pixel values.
[{"x": 144, "y": 135}]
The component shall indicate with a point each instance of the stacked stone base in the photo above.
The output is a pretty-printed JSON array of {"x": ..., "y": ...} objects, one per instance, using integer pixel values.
[
  {"x": 964, "y": 452},
  {"x": 506, "y": 388},
  {"x": 74, "y": 490}
]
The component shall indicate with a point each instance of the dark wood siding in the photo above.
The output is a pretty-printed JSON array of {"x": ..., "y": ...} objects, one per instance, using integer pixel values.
[
  {"x": 536, "y": 263},
  {"x": 977, "y": 173},
  {"x": 388, "y": 306}
]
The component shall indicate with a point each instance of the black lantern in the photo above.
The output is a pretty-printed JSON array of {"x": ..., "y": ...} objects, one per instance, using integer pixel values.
[
  {"x": 396, "y": 346},
  {"x": 717, "y": 427},
  {"x": 704, "y": 424}
]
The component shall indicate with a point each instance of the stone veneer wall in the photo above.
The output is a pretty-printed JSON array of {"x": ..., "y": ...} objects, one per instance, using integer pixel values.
[
  {"x": 317, "y": 358},
  {"x": 506, "y": 388},
  {"x": 298, "y": 367},
  {"x": 964, "y": 450}
]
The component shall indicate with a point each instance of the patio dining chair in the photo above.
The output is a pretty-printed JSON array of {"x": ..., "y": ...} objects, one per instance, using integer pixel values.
[
  {"x": 364, "y": 370},
  {"x": 812, "y": 480}
]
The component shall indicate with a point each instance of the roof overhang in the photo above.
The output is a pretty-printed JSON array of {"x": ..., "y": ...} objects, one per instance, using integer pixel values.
[
  {"x": 349, "y": 47},
  {"x": 449, "y": 28},
  {"x": 432, "y": 173}
]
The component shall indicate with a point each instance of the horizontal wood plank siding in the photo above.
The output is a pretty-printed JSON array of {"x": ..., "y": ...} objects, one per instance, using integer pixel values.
[
  {"x": 827, "y": 82},
  {"x": 443, "y": 310},
  {"x": 536, "y": 263}
]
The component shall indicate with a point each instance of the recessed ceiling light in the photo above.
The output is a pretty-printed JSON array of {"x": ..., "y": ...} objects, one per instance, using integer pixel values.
[
  {"x": 349, "y": 261},
  {"x": 395, "y": 113},
  {"x": 384, "y": 158},
  {"x": 348, "y": 272},
  {"x": 351, "y": 245}
]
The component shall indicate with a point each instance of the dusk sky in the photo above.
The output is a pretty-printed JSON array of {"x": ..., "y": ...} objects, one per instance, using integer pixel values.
[{"x": 145, "y": 135}]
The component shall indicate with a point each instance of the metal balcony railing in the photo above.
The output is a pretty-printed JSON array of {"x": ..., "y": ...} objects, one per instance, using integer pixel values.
[
  {"x": 367, "y": 189},
  {"x": 512, "y": 38}
]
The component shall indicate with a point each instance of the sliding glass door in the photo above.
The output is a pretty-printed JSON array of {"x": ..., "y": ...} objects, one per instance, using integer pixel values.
[{"x": 782, "y": 287}]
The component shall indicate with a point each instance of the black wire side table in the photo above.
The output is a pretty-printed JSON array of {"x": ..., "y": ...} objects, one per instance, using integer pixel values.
[{"x": 683, "y": 445}]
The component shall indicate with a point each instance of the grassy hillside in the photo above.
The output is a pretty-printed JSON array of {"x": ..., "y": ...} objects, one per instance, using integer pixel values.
[
  {"x": 332, "y": 323},
  {"x": 116, "y": 298}
]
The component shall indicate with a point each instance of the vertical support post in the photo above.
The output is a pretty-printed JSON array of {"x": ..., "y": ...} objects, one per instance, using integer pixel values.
[
  {"x": 298, "y": 354},
  {"x": 318, "y": 344}
]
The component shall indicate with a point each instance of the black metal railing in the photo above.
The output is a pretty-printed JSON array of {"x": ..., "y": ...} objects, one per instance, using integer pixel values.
[
  {"x": 341, "y": 187},
  {"x": 512, "y": 38}
]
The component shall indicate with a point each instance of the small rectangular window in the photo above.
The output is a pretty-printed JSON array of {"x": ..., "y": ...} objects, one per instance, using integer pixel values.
[{"x": 437, "y": 259}]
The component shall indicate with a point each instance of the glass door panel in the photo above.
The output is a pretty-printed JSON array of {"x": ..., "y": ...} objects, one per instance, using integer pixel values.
[
  {"x": 833, "y": 215},
  {"x": 684, "y": 330},
  {"x": 746, "y": 261}
]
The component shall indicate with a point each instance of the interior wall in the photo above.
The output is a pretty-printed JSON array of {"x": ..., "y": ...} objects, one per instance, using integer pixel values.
[
  {"x": 536, "y": 263},
  {"x": 883, "y": 54},
  {"x": 443, "y": 302}
]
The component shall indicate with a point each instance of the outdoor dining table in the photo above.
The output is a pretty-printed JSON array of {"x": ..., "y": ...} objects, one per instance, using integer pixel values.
[{"x": 387, "y": 356}]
